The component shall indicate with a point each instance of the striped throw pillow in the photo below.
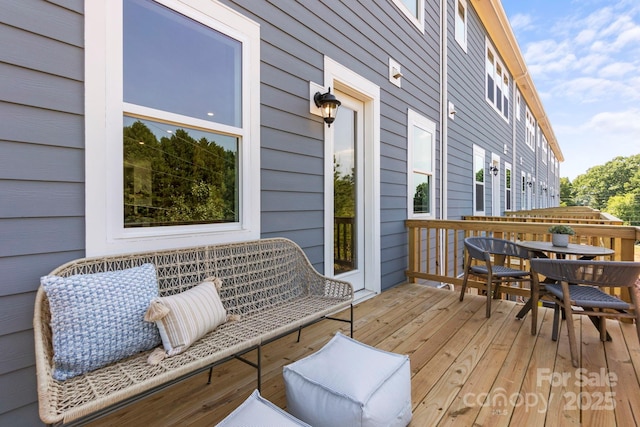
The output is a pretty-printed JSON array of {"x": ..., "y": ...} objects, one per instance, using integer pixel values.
[{"x": 185, "y": 317}]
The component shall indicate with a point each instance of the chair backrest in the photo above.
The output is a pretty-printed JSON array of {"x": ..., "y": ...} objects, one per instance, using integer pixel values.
[
  {"x": 477, "y": 246},
  {"x": 599, "y": 273}
]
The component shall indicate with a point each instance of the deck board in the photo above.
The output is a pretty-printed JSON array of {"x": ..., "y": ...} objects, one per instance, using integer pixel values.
[{"x": 466, "y": 369}]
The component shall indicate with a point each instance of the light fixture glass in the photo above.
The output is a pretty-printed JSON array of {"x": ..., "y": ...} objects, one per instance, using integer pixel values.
[{"x": 328, "y": 105}]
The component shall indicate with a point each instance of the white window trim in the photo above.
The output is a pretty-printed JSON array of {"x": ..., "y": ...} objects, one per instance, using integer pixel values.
[
  {"x": 477, "y": 151},
  {"x": 461, "y": 41},
  {"x": 415, "y": 119},
  {"x": 518, "y": 104},
  {"x": 417, "y": 21},
  {"x": 545, "y": 152},
  {"x": 507, "y": 196},
  {"x": 530, "y": 129},
  {"x": 105, "y": 233},
  {"x": 505, "y": 72}
]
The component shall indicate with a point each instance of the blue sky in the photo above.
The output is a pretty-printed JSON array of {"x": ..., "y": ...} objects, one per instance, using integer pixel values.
[{"x": 584, "y": 57}]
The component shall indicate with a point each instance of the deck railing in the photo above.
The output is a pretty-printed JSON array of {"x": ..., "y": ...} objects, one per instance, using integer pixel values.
[{"x": 436, "y": 247}]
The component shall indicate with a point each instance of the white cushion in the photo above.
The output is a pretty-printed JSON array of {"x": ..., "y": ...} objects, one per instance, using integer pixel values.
[
  {"x": 257, "y": 411},
  {"x": 347, "y": 383},
  {"x": 189, "y": 315}
]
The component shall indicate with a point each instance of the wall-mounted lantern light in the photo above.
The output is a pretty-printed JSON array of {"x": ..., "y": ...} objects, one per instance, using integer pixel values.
[
  {"x": 494, "y": 170},
  {"x": 328, "y": 105},
  {"x": 530, "y": 184}
]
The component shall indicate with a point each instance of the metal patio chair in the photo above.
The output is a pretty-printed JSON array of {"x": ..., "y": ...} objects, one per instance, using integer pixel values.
[
  {"x": 495, "y": 256},
  {"x": 578, "y": 290}
]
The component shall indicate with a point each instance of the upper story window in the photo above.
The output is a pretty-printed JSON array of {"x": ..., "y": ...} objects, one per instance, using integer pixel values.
[
  {"x": 518, "y": 105},
  {"x": 461, "y": 23},
  {"x": 414, "y": 10},
  {"x": 530, "y": 131},
  {"x": 497, "y": 82},
  {"x": 545, "y": 150},
  {"x": 421, "y": 160},
  {"x": 478, "y": 180},
  {"x": 180, "y": 141}
]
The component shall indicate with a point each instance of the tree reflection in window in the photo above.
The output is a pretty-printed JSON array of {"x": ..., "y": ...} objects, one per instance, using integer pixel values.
[{"x": 177, "y": 175}]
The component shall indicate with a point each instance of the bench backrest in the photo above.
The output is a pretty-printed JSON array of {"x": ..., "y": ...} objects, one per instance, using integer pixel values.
[{"x": 255, "y": 274}]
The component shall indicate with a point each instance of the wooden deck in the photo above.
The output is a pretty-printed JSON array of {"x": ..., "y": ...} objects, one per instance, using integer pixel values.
[{"x": 466, "y": 369}]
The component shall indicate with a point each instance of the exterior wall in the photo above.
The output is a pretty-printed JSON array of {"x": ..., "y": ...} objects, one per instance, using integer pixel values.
[
  {"x": 475, "y": 122},
  {"x": 292, "y": 157},
  {"x": 41, "y": 176},
  {"x": 42, "y": 140}
]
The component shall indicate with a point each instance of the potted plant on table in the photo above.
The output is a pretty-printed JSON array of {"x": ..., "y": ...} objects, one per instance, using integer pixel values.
[{"x": 560, "y": 235}]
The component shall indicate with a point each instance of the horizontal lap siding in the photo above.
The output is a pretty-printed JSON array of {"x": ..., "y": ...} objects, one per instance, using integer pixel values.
[
  {"x": 360, "y": 35},
  {"x": 42, "y": 141},
  {"x": 476, "y": 122},
  {"x": 41, "y": 176}
]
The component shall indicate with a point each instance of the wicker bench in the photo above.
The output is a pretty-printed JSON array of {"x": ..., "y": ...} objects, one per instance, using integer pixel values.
[{"x": 269, "y": 283}]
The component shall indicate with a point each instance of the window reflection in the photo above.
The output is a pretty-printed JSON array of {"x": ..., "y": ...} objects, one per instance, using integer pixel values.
[{"x": 178, "y": 65}]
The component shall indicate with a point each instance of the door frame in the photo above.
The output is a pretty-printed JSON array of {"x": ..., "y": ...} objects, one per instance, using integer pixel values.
[{"x": 341, "y": 78}]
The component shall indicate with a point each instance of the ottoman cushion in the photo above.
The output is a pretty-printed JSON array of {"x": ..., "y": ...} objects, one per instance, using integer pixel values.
[
  {"x": 347, "y": 383},
  {"x": 257, "y": 411}
]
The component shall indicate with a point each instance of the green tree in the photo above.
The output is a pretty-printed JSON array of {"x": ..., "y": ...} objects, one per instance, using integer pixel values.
[
  {"x": 566, "y": 193},
  {"x": 626, "y": 207},
  {"x": 615, "y": 178}
]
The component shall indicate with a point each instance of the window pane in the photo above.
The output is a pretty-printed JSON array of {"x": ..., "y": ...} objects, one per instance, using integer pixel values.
[
  {"x": 490, "y": 87},
  {"x": 412, "y": 5},
  {"x": 177, "y": 176},
  {"x": 422, "y": 195},
  {"x": 422, "y": 149},
  {"x": 478, "y": 168},
  {"x": 479, "y": 197},
  {"x": 175, "y": 64}
]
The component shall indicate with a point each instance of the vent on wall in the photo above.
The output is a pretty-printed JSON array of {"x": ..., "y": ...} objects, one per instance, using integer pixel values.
[{"x": 395, "y": 72}]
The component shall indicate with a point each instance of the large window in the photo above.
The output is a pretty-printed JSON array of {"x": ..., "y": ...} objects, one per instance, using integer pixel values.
[
  {"x": 413, "y": 10},
  {"x": 478, "y": 180},
  {"x": 497, "y": 82},
  {"x": 421, "y": 161},
  {"x": 461, "y": 23},
  {"x": 176, "y": 159}
]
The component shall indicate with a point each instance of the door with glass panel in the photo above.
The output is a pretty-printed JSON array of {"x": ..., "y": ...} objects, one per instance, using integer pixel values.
[{"x": 347, "y": 186}]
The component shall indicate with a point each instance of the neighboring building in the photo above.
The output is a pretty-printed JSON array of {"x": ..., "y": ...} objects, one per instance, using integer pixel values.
[{"x": 130, "y": 125}]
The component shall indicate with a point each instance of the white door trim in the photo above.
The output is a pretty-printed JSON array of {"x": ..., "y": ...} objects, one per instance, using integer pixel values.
[{"x": 342, "y": 78}]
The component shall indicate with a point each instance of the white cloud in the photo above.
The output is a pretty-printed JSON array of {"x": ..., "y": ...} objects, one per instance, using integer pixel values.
[
  {"x": 586, "y": 36},
  {"x": 625, "y": 123},
  {"x": 593, "y": 89},
  {"x": 521, "y": 22},
  {"x": 616, "y": 70}
]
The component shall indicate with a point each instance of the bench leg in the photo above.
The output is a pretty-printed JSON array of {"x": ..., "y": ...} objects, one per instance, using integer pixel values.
[{"x": 259, "y": 368}]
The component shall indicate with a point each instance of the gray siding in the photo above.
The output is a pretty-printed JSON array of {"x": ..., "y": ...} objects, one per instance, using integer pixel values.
[
  {"x": 361, "y": 35},
  {"x": 41, "y": 176},
  {"x": 476, "y": 122},
  {"x": 42, "y": 139}
]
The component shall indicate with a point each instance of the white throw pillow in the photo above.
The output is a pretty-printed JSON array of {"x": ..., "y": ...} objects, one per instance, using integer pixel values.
[{"x": 185, "y": 317}]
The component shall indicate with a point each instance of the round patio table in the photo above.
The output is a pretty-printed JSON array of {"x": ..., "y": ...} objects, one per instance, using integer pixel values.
[{"x": 539, "y": 249}]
